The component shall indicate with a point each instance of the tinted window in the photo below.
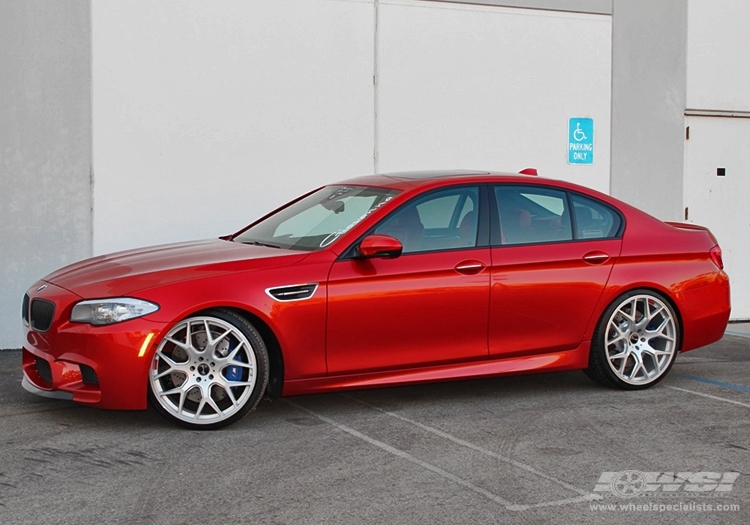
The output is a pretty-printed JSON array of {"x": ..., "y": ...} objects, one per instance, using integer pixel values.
[
  {"x": 593, "y": 219},
  {"x": 443, "y": 220},
  {"x": 530, "y": 214}
]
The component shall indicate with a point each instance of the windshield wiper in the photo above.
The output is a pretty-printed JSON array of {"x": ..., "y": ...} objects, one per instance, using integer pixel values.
[{"x": 259, "y": 243}]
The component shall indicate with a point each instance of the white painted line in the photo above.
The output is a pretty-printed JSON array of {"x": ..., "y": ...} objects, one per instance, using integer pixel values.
[
  {"x": 472, "y": 446},
  {"x": 738, "y": 334},
  {"x": 579, "y": 499},
  {"x": 709, "y": 396},
  {"x": 584, "y": 495},
  {"x": 408, "y": 457}
]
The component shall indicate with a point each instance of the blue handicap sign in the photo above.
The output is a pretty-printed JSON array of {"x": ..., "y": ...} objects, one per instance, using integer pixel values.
[{"x": 580, "y": 141}]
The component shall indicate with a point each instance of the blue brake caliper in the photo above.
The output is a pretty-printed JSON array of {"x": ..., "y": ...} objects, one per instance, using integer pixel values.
[{"x": 234, "y": 372}]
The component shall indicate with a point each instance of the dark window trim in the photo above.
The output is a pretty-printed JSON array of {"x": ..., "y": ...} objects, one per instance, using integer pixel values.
[
  {"x": 620, "y": 230},
  {"x": 572, "y": 213}
]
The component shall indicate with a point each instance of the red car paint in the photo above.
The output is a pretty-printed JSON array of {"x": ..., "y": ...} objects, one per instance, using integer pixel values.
[{"x": 434, "y": 316}]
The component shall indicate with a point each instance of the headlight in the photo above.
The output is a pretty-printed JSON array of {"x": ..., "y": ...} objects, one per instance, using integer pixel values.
[{"x": 109, "y": 311}]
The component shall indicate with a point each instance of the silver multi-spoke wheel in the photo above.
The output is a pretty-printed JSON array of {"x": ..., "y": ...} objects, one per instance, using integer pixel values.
[
  {"x": 641, "y": 339},
  {"x": 636, "y": 341},
  {"x": 206, "y": 372}
]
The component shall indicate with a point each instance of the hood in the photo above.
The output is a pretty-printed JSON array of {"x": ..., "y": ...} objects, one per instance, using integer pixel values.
[{"x": 127, "y": 272}]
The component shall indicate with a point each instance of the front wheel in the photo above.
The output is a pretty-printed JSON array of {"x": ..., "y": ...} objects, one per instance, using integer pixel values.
[
  {"x": 209, "y": 370},
  {"x": 635, "y": 342}
]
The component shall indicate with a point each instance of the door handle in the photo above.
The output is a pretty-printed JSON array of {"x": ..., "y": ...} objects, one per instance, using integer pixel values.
[
  {"x": 596, "y": 257},
  {"x": 470, "y": 267}
]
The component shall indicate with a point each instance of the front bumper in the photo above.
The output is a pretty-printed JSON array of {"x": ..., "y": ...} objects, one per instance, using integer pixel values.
[
  {"x": 101, "y": 366},
  {"x": 51, "y": 394}
]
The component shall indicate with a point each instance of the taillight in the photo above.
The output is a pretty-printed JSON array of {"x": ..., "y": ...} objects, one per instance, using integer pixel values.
[{"x": 716, "y": 257}]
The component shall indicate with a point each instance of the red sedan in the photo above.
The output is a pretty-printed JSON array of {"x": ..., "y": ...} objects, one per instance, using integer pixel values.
[{"x": 382, "y": 280}]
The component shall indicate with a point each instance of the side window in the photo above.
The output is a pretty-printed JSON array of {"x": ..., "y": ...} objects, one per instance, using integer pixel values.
[
  {"x": 443, "y": 220},
  {"x": 532, "y": 214},
  {"x": 593, "y": 219}
]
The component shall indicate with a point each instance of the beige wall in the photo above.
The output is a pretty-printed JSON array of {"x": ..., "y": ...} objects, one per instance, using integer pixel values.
[
  {"x": 45, "y": 146},
  {"x": 648, "y": 102}
]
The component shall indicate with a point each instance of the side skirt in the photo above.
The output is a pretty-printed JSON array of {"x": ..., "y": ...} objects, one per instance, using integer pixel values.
[{"x": 575, "y": 359}]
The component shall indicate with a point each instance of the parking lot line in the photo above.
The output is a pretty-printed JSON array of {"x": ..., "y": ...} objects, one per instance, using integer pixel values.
[
  {"x": 582, "y": 497},
  {"x": 713, "y": 382},
  {"x": 739, "y": 334},
  {"x": 408, "y": 457},
  {"x": 709, "y": 396},
  {"x": 472, "y": 446}
]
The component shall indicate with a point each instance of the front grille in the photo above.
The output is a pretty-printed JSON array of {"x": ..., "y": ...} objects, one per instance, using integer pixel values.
[
  {"x": 42, "y": 312},
  {"x": 25, "y": 309},
  {"x": 293, "y": 293},
  {"x": 88, "y": 375},
  {"x": 43, "y": 369}
]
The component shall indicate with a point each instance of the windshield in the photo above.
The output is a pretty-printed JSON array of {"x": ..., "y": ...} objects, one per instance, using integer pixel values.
[{"x": 317, "y": 220}]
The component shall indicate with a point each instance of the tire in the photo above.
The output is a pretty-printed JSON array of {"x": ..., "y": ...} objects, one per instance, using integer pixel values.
[
  {"x": 635, "y": 342},
  {"x": 209, "y": 371}
]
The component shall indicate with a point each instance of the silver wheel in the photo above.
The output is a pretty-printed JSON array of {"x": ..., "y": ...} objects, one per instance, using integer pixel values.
[
  {"x": 640, "y": 339},
  {"x": 205, "y": 371}
]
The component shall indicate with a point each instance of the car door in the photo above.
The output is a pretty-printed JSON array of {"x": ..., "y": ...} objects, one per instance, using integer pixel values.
[
  {"x": 428, "y": 306},
  {"x": 550, "y": 263}
]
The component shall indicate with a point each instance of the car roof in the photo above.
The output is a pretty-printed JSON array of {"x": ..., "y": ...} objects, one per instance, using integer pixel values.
[
  {"x": 407, "y": 181},
  {"x": 433, "y": 174},
  {"x": 404, "y": 180}
]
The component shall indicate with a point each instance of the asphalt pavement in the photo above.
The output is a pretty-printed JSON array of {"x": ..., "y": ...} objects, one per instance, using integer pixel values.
[{"x": 545, "y": 448}]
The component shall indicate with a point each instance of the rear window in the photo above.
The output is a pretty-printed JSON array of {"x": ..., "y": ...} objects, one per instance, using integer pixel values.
[
  {"x": 538, "y": 214},
  {"x": 593, "y": 219}
]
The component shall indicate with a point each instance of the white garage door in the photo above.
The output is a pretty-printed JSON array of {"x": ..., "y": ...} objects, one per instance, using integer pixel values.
[
  {"x": 722, "y": 202},
  {"x": 491, "y": 88},
  {"x": 206, "y": 115}
]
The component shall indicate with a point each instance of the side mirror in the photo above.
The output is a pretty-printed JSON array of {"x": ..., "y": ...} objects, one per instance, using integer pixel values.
[{"x": 380, "y": 246}]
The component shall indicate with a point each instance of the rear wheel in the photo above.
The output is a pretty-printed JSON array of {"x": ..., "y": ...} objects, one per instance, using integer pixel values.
[
  {"x": 636, "y": 341},
  {"x": 209, "y": 370}
]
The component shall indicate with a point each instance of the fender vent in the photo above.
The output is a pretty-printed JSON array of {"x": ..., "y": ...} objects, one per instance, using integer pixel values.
[{"x": 295, "y": 292}]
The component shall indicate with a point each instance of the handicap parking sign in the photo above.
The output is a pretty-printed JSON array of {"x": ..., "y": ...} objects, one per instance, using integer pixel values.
[{"x": 580, "y": 141}]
